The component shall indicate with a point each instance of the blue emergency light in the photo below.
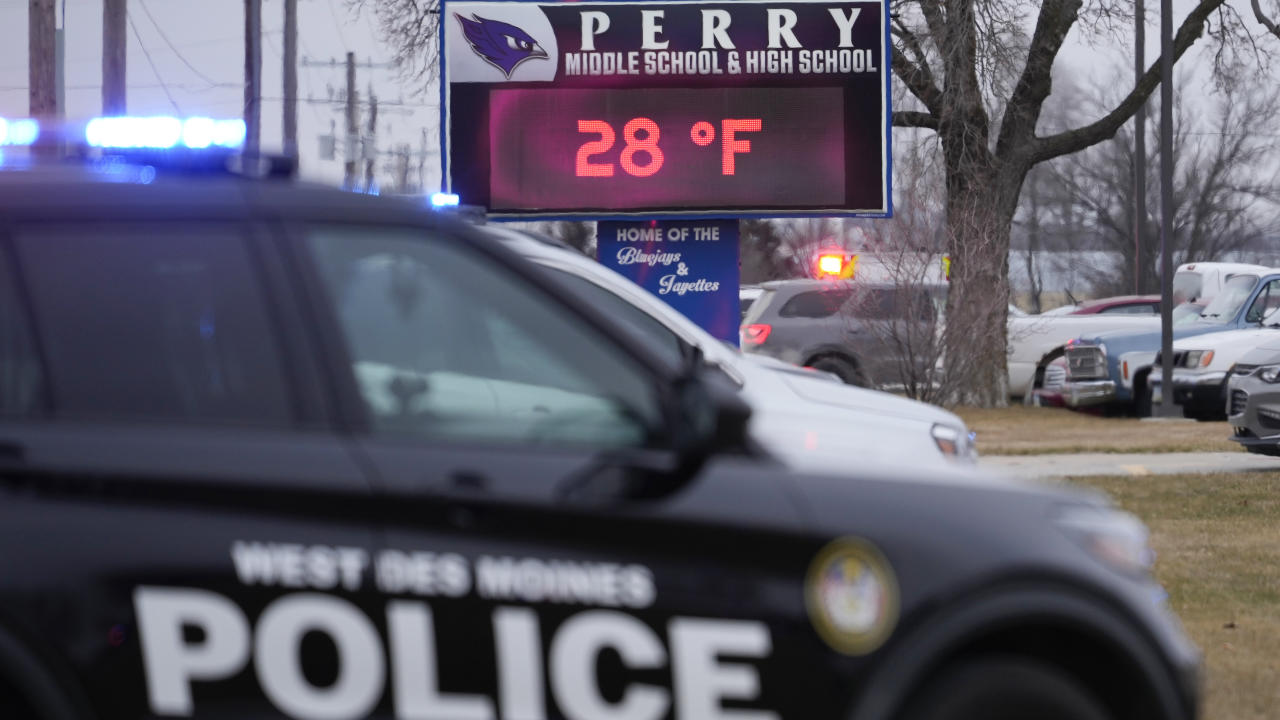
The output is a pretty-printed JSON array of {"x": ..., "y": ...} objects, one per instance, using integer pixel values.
[
  {"x": 164, "y": 133},
  {"x": 442, "y": 199},
  {"x": 18, "y": 133}
]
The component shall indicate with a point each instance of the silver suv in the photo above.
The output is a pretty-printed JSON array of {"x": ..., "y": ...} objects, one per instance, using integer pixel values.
[{"x": 869, "y": 334}]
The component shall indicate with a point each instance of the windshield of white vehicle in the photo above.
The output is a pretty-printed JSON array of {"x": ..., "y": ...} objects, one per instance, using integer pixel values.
[
  {"x": 1186, "y": 286},
  {"x": 1187, "y": 312},
  {"x": 1226, "y": 306}
]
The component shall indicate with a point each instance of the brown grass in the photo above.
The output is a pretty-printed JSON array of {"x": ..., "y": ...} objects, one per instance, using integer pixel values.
[
  {"x": 1217, "y": 538},
  {"x": 1021, "y": 430}
]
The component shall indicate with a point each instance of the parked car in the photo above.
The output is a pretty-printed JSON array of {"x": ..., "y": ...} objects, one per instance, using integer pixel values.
[
  {"x": 1112, "y": 369},
  {"x": 748, "y": 294},
  {"x": 1202, "y": 365},
  {"x": 799, "y": 414},
  {"x": 1035, "y": 340},
  {"x": 843, "y": 327},
  {"x": 1253, "y": 399},
  {"x": 1120, "y": 305}
]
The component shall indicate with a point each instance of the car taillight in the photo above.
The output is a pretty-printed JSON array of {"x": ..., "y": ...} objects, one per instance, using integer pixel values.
[{"x": 754, "y": 334}]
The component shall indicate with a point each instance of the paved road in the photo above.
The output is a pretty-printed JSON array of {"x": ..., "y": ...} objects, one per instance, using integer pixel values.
[{"x": 1048, "y": 466}]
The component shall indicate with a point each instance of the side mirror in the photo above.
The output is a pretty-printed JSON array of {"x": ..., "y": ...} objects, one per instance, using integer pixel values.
[
  {"x": 706, "y": 417},
  {"x": 710, "y": 418}
]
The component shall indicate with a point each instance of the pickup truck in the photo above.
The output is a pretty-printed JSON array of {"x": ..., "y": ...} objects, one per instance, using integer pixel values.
[
  {"x": 1037, "y": 340},
  {"x": 1111, "y": 368},
  {"x": 1202, "y": 365}
]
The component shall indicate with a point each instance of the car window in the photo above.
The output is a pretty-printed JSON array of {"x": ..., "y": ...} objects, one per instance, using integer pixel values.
[
  {"x": 757, "y": 309},
  {"x": 659, "y": 336},
  {"x": 891, "y": 304},
  {"x": 1131, "y": 309},
  {"x": 1186, "y": 286},
  {"x": 446, "y": 347},
  {"x": 21, "y": 377},
  {"x": 1187, "y": 312},
  {"x": 157, "y": 322},
  {"x": 1227, "y": 305},
  {"x": 815, "y": 303},
  {"x": 1268, "y": 299}
]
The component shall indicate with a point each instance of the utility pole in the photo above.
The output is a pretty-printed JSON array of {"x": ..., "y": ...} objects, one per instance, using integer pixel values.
[
  {"x": 252, "y": 75},
  {"x": 422, "y": 163},
  {"x": 353, "y": 129},
  {"x": 60, "y": 65},
  {"x": 42, "y": 77},
  {"x": 1167, "y": 408},
  {"x": 369, "y": 146},
  {"x": 291, "y": 78},
  {"x": 114, "y": 45},
  {"x": 1139, "y": 146}
]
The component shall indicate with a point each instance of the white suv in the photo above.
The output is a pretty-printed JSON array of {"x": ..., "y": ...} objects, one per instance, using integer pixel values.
[{"x": 806, "y": 418}]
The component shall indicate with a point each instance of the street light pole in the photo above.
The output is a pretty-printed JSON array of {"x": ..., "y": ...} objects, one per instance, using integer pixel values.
[
  {"x": 1167, "y": 408},
  {"x": 1139, "y": 145}
]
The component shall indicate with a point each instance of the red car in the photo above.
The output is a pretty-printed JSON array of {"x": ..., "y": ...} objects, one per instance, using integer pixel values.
[{"x": 1120, "y": 305}]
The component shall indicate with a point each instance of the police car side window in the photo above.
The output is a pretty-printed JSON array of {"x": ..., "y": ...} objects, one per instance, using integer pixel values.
[
  {"x": 21, "y": 377},
  {"x": 662, "y": 339},
  {"x": 154, "y": 323},
  {"x": 445, "y": 347}
]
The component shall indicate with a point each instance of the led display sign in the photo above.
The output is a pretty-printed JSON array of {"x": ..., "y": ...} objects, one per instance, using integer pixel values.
[{"x": 666, "y": 109}]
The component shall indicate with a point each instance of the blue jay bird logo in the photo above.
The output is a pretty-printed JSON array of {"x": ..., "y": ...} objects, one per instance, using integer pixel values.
[{"x": 502, "y": 45}]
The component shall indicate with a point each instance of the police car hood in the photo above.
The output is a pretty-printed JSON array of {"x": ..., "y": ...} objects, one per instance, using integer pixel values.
[
  {"x": 952, "y": 496},
  {"x": 826, "y": 392}
]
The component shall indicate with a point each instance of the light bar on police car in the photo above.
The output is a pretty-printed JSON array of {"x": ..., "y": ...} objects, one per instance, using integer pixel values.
[
  {"x": 442, "y": 199},
  {"x": 18, "y": 133},
  {"x": 164, "y": 133}
]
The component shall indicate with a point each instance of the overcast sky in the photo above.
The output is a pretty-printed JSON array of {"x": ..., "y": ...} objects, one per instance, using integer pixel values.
[{"x": 196, "y": 47}]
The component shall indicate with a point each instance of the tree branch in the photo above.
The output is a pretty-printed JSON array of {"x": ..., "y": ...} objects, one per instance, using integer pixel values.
[
  {"x": 1104, "y": 128},
  {"x": 933, "y": 17},
  {"x": 919, "y": 81},
  {"x": 1267, "y": 22},
  {"x": 911, "y": 44},
  {"x": 1034, "y": 85},
  {"x": 909, "y": 118}
]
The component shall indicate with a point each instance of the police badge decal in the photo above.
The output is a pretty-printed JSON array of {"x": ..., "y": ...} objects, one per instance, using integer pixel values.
[{"x": 852, "y": 596}]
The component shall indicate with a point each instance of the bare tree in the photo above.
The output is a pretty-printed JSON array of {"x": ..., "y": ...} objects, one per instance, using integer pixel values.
[
  {"x": 410, "y": 28},
  {"x": 763, "y": 252},
  {"x": 954, "y": 57},
  {"x": 1225, "y": 195}
]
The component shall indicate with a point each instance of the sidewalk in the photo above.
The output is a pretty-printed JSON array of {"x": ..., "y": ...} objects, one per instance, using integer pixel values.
[{"x": 1074, "y": 465}]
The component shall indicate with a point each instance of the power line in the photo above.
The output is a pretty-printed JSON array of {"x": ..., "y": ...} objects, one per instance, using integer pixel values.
[
  {"x": 146, "y": 53},
  {"x": 341, "y": 36},
  {"x": 172, "y": 47},
  {"x": 280, "y": 54}
]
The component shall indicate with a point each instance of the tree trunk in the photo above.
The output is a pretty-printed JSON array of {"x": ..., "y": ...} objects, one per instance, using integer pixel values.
[{"x": 981, "y": 201}]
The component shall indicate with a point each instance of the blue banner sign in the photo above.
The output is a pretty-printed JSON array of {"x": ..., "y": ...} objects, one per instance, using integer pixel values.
[{"x": 691, "y": 264}]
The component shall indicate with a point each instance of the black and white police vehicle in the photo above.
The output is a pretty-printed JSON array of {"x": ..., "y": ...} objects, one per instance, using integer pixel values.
[{"x": 277, "y": 450}]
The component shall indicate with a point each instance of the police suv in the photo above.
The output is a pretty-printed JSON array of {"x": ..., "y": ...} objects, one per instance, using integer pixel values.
[{"x": 276, "y": 450}]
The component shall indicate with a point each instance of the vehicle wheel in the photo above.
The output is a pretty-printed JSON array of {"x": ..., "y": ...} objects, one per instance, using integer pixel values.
[
  {"x": 1270, "y": 450},
  {"x": 1142, "y": 403},
  {"x": 843, "y": 369},
  {"x": 1004, "y": 688}
]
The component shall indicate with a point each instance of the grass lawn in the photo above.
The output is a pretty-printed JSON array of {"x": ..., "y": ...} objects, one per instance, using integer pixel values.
[
  {"x": 1217, "y": 540},
  {"x": 1022, "y": 430}
]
